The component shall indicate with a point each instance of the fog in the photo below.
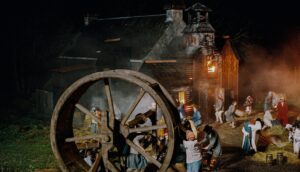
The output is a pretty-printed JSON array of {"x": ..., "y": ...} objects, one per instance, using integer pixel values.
[
  {"x": 275, "y": 70},
  {"x": 123, "y": 95}
]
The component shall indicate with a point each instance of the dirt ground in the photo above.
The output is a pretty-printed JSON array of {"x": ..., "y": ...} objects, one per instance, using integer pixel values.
[{"x": 233, "y": 159}]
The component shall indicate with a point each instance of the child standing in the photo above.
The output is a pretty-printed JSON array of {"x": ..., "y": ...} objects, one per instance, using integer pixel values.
[{"x": 193, "y": 155}]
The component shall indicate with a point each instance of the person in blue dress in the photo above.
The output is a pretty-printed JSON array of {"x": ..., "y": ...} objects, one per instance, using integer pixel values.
[
  {"x": 196, "y": 118},
  {"x": 246, "y": 145}
]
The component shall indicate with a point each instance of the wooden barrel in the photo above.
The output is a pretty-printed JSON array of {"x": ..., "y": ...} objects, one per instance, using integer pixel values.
[
  {"x": 279, "y": 158},
  {"x": 269, "y": 159}
]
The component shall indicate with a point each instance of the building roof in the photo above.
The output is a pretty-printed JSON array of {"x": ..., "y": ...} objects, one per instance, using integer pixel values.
[
  {"x": 175, "y": 65},
  {"x": 236, "y": 47},
  {"x": 198, "y": 7},
  {"x": 113, "y": 42},
  {"x": 122, "y": 43}
]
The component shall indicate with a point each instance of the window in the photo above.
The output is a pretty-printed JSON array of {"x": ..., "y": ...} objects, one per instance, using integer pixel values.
[{"x": 182, "y": 97}]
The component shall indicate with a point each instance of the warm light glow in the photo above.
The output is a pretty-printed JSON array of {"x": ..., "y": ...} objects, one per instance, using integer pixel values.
[
  {"x": 181, "y": 97},
  {"x": 210, "y": 66},
  {"x": 211, "y": 69},
  {"x": 209, "y": 62},
  {"x": 190, "y": 78}
]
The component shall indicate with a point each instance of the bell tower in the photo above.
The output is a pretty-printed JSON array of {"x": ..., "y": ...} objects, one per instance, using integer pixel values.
[
  {"x": 199, "y": 37},
  {"x": 199, "y": 32},
  {"x": 174, "y": 10}
]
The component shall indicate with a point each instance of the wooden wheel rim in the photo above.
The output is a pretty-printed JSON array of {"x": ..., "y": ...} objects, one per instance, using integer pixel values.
[{"x": 63, "y": 112}]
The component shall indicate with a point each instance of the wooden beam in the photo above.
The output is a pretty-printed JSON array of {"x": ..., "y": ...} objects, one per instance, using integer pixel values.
[
  {"x": 79, "y": 138},
  {"x": 160, "y": 61},
  {"x": 112, "y": 40},
  {"x": 136, "y": 61}
]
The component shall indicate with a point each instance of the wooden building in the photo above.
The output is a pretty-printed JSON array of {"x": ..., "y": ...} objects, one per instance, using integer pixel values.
[
  {"x": 230, "y": 71},
  {"x": 176, "y": 48}
]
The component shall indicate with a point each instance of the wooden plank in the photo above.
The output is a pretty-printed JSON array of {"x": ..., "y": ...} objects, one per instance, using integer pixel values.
[
  {"x": 110, "y": 102},
  {"x": 160, "y": 61},
  {"x": 112, "y": 40},
  {"x": 78, "y": 138}
]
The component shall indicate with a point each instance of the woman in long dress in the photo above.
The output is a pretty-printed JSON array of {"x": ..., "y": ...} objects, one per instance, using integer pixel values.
[
  {"x": 254, "y": 129},
  {"x": 246, "y": 145}
]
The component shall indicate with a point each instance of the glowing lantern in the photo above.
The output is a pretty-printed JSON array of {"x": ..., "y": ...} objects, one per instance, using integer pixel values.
[{"x": 211, "y": 67}]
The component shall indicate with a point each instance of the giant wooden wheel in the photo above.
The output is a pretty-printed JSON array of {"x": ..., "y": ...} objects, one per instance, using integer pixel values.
[{"x": 111, "y": 131}]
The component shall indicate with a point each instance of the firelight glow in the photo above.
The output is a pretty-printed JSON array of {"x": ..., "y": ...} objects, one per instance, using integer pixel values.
[{"x": 211, "y": 69}]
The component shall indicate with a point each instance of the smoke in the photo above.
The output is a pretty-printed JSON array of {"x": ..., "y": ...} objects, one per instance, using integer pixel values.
[
  {"x": 275, "y": 70},
  {"x": 123, "y": 95}
]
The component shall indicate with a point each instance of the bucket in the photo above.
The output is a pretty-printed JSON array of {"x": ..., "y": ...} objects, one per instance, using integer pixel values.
[
  {"x": 269, "y": 159},
  {"x": 280, "y": 158}
]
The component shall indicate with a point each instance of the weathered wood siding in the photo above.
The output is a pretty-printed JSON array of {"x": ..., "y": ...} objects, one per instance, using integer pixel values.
[{"x": 230, "y": 72}]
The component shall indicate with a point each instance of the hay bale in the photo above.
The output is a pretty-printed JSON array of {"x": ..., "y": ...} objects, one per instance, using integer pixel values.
[
  {"x": 276, "y": 130},
  {"x": 278, "y": 136}
]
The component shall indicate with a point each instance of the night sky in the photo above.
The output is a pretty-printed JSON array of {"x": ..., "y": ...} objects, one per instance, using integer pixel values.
[{"x": 31, "y": 27}]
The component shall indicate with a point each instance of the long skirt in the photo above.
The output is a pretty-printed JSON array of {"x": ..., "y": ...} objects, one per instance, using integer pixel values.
[
  {"x": 136, "y": 161},
  {"x": 246, "y": 144}
]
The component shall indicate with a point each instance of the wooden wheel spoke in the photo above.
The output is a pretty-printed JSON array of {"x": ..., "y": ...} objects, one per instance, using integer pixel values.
[
  {"x": 142, "y": 151},
  {"x": 133, "y": 106},
  {"x": 142, "y": 129},
  {"x": 110, "y": 102},
  {"x": 111, "y": 166},
  {"x": 96, "y": 164},
  {"x": 69, "y": 152},
  {"x": 87, "y": 112},
  {"x": 107, "y": 163},
  {"x": 73, "y": 139}
]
